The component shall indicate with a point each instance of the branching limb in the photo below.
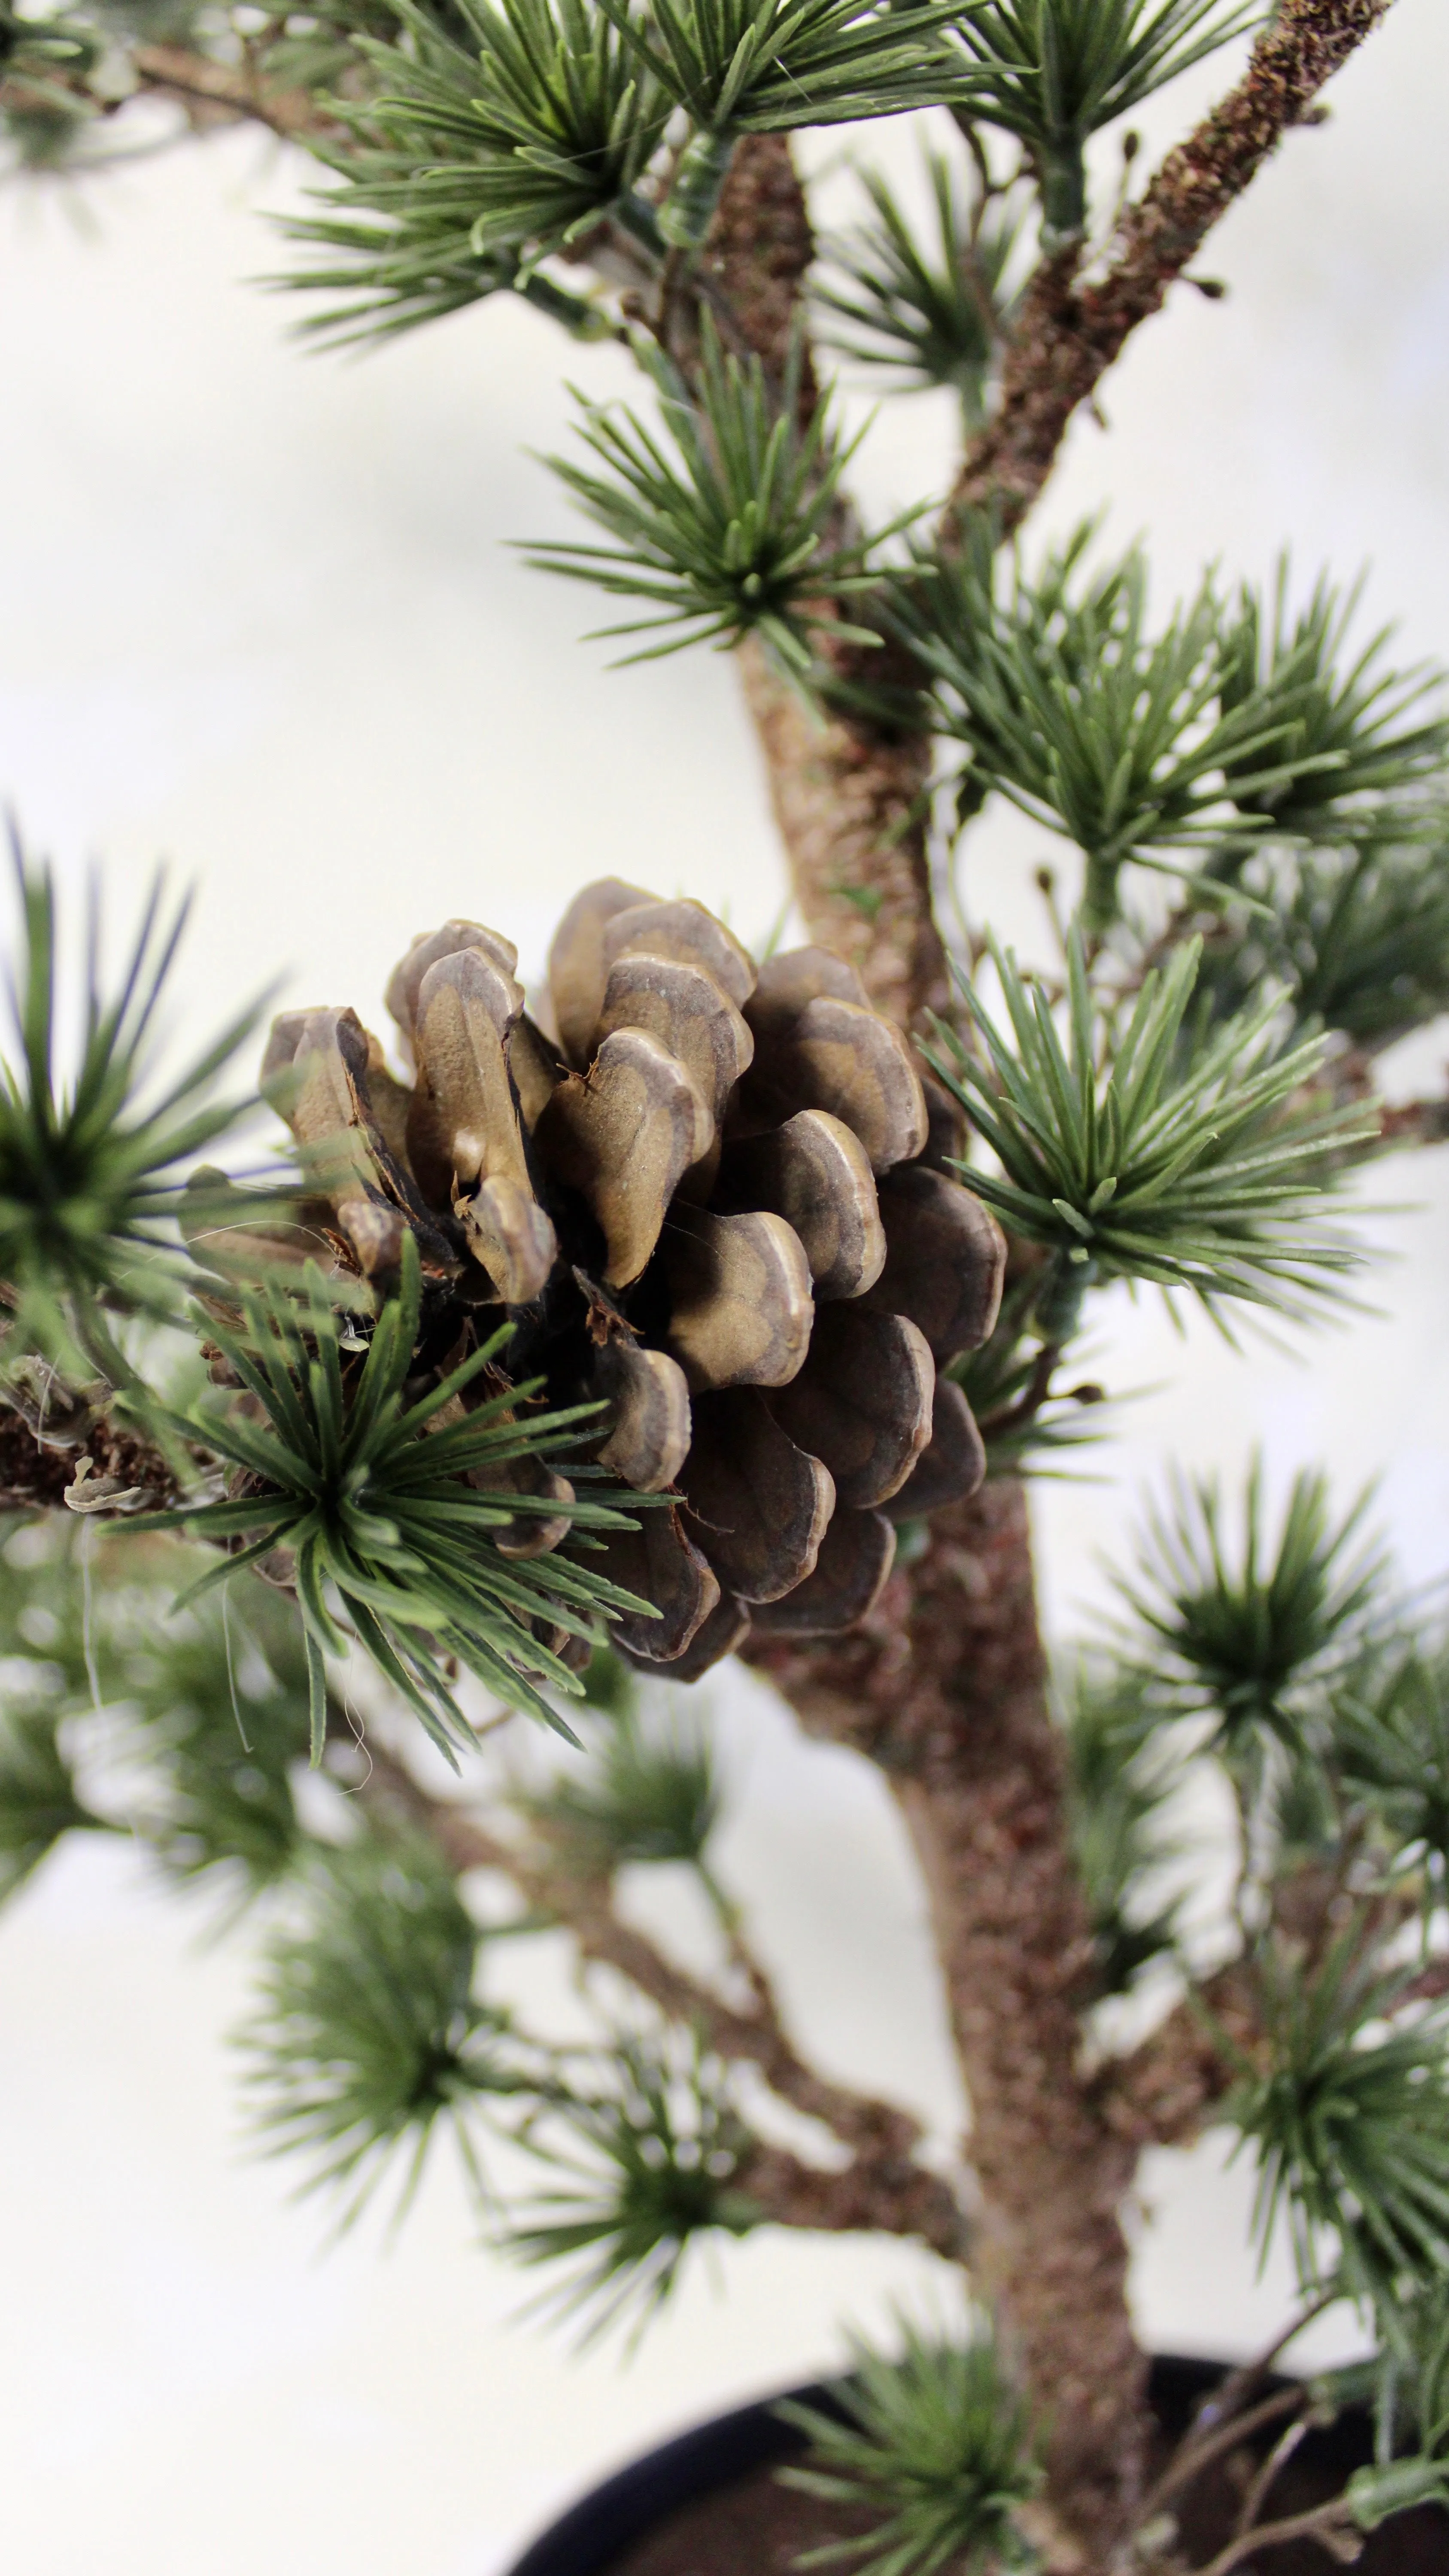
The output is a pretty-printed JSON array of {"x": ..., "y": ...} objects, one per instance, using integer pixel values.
[
  {"x": 1331, "y": 2525},
  {"x": 883, "y": 2189},
  {"x": 236, "y": 91},
  {"x": 1166, "y": 2091},
  {"x": 36, "y": 1473},
  {"x": 1068, "y": 335}
]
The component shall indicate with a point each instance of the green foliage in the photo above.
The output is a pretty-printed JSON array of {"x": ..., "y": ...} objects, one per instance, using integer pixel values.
[
  {"x": 1007, "y": 1383},
  {"x": 221, "y": 1702},
  {"x": 933, "y": 314},
  {"x": 1131, "y": 744},
  {"x": 88, "y": 1158},
  {"x": 1412, "y": 2398},
  {"x": 773, "y": 66},
  {"x": 1120, "y": 1776},
  {"x": 1350, "y": 2121},
  {"x": 650, "y": 2165},
  {"x": 1166, "y": 1150},
  {"x": 1357, "y": 937},
  {"x": 38, "y": 1798},
  {"x": 368, "y": 1499},
  {"x": 27, "y": 44},
  {"x": 366, "y": 2035},
  {"x": 726, "y": 536},
  {"x": 1253, "y": 1634},
  {"x": 1053, "y": 71},
  {"x": 934, "y": 2444},
  {"x": 1346, "y": 720},
  {"x": 646, "y": 1795},
  {"x": 1391, "y": 1747},
  {"x": 494, "y": 140}
]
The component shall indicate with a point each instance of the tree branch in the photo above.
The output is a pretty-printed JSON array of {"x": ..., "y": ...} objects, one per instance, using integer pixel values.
[
  {"x": 883, "y": 2190},
  {"x": 1165, "y": 2092},
  {"x": 233, "y": 91},
  {"x": 1068, "y": 335},
  {"x": 944, "y": 1685}
]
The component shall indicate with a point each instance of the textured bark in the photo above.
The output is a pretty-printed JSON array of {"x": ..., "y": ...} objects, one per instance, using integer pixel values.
[
  {"x": 849, "y": 796},
  {"x": 760, "y": 246},
  {"x": 223, "y": 93},
  {"x": 882, "y": 2190},
  {"x": 850, "y": 800},
  {"x": 1165, "y": 2093},
  {"x": 1068, "y": 335},
  {"x": 34, "y": 1473},
  {"x": 945, "y": 1688}
]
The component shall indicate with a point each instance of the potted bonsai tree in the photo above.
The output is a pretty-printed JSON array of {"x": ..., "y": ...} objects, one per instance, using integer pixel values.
[{"x": 708, "y": 1303}]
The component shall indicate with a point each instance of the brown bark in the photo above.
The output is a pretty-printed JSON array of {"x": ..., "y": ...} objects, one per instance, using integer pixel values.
[
  {"x": 1068, "y": 335},
  {"x": 849, "y": 796},
  {"x": 34, "y": 1473},
  {"x": 945, "y": 1688},
  {"x": 229, "y": 92},
  {"x": 1165, "y": 2093},
  {"x": 882, "y": 2190},
  {"x": 850, "y": 800}
]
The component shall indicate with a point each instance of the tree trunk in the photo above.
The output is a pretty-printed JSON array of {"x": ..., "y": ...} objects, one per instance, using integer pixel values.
[{"x": 945, "y": 1688}]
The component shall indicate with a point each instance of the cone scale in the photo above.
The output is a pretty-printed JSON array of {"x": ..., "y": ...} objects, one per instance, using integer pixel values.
[{"x": 705, "y": 1193}]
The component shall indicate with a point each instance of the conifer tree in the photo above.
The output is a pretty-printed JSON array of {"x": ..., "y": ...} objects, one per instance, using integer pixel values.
[{"x": 719, "y": 1305}]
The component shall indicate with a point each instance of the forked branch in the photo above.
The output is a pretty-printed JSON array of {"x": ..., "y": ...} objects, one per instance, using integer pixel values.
[{"x": 1069, "y": 333}]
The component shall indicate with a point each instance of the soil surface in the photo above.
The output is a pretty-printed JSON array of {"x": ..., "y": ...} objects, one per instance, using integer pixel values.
[{"x": 754, "y": 2526}]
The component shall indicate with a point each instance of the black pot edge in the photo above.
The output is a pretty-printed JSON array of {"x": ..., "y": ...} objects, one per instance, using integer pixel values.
[{"x": 590, "y": 2535}]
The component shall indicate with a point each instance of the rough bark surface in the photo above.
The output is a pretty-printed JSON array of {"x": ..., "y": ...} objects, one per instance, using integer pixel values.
[
  {"x": 882, "y": 2190},
  {"x": 850, "y": 800},
  {"x": 849, "y": 796},
  {"x": 1068, "y": 334},
  {"x": 945, "y": 1688},
  {"x": 34, "y": 1473}
]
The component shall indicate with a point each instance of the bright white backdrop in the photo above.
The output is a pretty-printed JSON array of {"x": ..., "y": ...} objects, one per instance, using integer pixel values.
[{"x": 257, "y": 614}]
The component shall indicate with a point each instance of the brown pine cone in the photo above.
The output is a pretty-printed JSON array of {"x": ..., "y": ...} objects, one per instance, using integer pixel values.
[{"x": 714, "y": 1199}]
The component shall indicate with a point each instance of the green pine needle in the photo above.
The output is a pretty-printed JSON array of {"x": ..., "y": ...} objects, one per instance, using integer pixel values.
[
  {"x": 1170, "y": 1150},
  {"x": 1350, "y": 2122},
  {"x": 773, "y": 66},
  {"x": 220, "y": 1706},
  {"x": 646, "y": 1796},
  {"x": 1052, "y": 72},
  {"x": 38, "y": 1798},
  {"x": 379, "y": 1517},
  {"x": 1254, "y": 1633},
  {"x": 1135, "y": 746},
  {"x": 1357, "y": 936},
  {"x": 494, "y": 140},
  {"x": 934, "y": 2445},
  {"x": 367, "y": 2037},
  {"x": 1371, "y": 729},
  {"x": 1120, "y": 1776},
  {"x": 649, "y": 2166},
  {"x": 1391, "y": 1747},
  {"x": 89, "y": 1155},
  {"x": 934, "y": 314},
  {"x": 726, "y": 536},
  {"x": 1003, "y": 1382}
]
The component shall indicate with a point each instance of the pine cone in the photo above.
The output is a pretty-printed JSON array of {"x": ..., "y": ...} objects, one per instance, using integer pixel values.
[{"x": 714, "y": 1199}]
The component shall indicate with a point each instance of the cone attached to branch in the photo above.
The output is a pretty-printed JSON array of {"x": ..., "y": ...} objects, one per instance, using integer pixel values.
[{"x": 707, "y": 1199}]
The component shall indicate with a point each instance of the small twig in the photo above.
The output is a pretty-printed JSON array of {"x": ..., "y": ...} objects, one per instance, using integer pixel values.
[
  {"x": 1194, "y": 2455},
  {"x": 883, "y": 2189},
  {"x": 1068, "y": 335},
  {"x": 235, "y": 90},
  {"x": 1326, "y": 2524},
  {"x": 1277, "y": 2460}
]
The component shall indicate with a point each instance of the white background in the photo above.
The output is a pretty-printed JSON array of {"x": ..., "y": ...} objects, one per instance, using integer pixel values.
[{"x": 258, "y": 615}]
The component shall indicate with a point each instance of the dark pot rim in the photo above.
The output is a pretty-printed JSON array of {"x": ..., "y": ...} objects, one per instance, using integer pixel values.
[{"x": 588, "y": 2537}]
